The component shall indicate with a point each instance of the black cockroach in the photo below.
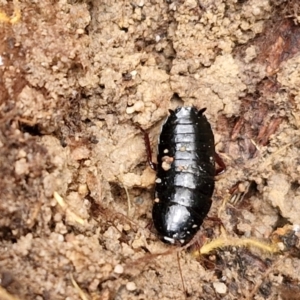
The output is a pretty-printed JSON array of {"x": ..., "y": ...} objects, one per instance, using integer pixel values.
[{"x": 185, "y": 174}]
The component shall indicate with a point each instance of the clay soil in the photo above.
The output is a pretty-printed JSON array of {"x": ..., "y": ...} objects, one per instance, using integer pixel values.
[{"x": 78, "y": 79}]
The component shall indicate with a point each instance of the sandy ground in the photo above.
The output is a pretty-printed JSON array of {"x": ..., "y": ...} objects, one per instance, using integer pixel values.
[{"x": 76, "y": 77}]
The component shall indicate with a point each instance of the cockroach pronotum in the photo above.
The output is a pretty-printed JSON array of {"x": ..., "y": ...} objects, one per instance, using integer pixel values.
[{"x": 185, "y": 174}]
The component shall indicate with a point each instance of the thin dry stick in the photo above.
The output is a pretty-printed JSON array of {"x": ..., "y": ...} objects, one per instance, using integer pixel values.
[
  {"x": 81, "y": 293},
  {"x": 180, "y": 272}
]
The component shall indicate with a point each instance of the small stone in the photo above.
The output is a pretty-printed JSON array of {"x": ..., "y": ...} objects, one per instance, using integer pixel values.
[
  {"x": 220, "y": 287},
  {"x": 130, "y": 286},
  {"x": 126, "y": 227},
  {"x": 22, "y": 153},
  {"x": 167, "y": 161},
  {"x": 139, "y": 106},
  {"x": 141, "y": 4},
  {"x": 80, "y": 31},
  {"x": 130, "y": 110},
  {"x": 83, "y": 189},
  {"x": 166, "y": 166},
  {"x": 241, "y": 187},
  {"x": 133, "y": 73},
  {"x": 118, "y": 269},
  {"x": 21, "y": 166}
]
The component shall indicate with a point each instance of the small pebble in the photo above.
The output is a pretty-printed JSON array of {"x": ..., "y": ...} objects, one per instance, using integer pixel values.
[
  {"x": 126, "y": 227},
  {"x": 130, "y": 110},
  {"x": 220, "y": 287},
  {"x": 139, "y": 106},
  {"x": 80, "y": 31},
  {"x": 133, "y": 73},
  {"x": 241, "y": 187},
  {"x": 118, "y": 269},
  {"x": 130, "y": 286}
]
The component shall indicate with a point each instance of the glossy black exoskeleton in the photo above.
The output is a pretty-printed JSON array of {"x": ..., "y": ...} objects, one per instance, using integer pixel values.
[{"x": 185, "y": 175}]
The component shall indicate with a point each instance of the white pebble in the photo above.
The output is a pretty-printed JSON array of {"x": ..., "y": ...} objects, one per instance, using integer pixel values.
[
  {"x": 139, "y": 106},
  {"x": 133, "y": 73},
  {"x": 141, "y": 4},
  {"x": 130, "y": 110},
  {"x": 80, "y": 31},
  {"x": 118, "y": 269},
  {"x": 130, "y": 286},
  {"x": 220, "y": 287}
]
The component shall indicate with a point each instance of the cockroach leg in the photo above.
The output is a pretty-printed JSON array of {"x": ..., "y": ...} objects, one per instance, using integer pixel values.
[
  {"x": 220, "y": 162},
  {"x": 148, "y": 148},
  {"x": 216, "y": 220}
]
